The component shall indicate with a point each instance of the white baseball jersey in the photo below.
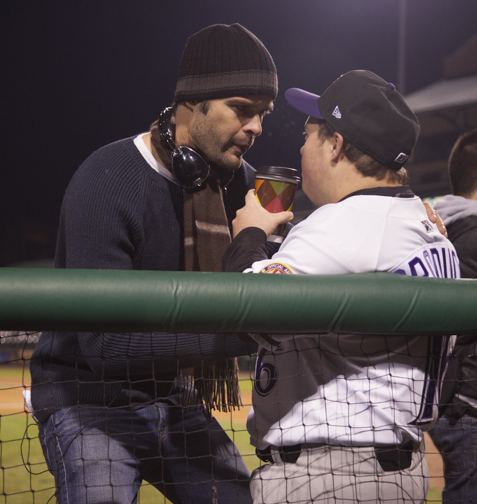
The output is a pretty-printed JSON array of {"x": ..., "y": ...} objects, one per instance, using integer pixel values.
[{"x": 353, "y": 389}]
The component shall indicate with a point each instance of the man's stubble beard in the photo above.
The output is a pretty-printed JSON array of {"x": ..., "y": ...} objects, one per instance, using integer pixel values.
[{"x": 210, "y": 146}]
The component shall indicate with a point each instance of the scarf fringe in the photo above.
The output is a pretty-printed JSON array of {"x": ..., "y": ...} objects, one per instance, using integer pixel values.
[{"x": 216, "y": 386}]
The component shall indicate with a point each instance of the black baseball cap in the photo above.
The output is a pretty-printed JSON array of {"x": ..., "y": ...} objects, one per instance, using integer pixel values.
[{"x": 368, "y": 112}]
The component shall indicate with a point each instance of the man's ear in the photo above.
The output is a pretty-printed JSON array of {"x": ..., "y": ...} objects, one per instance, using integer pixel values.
[
  {"x": 337, "y": 146},
  {"x": 182, "y": 119}
]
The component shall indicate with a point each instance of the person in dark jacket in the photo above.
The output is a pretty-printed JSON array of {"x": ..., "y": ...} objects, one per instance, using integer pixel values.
[
  {"x": 455, "y": 433},
  {"x": 116, "y": 409}
]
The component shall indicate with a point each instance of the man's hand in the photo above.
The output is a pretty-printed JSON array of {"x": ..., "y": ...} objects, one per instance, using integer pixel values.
[
  {"x": 254, "y": 215},
  {"x": 435, "y": 218}
]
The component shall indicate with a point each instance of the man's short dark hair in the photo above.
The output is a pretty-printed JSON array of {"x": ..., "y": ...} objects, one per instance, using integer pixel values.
[
  {"x": 365, "y": 164},
  {"x": 203, "y": 105},
  {"x": 463, "y": 164}
]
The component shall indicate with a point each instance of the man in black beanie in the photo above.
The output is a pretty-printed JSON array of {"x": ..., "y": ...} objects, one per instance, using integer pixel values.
[{"x": 116, "y": 409}]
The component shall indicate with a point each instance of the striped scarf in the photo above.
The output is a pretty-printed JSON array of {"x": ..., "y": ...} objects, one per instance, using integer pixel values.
[{"x": 206, "y": 237}]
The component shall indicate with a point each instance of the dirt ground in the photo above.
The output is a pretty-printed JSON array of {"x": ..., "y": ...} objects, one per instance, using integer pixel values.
[{"x": 11, "y": 401}]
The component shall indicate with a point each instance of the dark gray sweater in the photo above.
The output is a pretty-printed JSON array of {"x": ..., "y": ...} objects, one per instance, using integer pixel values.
[{"x": 118, "y": 213}]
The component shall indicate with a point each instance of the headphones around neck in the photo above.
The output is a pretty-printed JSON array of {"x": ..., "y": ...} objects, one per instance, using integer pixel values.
[{"x": 188, "y": 166}]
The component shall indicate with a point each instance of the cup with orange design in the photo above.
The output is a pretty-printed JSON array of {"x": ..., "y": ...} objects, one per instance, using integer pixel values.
[{"x": 275, "y": 189}]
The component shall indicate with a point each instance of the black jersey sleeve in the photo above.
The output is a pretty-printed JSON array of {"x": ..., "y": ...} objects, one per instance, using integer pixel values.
[{"x": 248, "y": 246}]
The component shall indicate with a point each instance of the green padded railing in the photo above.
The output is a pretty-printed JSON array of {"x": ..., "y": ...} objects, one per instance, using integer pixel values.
[{"x": 125, "y": 301}]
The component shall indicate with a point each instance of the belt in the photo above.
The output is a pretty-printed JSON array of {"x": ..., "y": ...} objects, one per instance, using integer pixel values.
[
  {"x": 288, "y": 454},
  {"x": 395, "y": 457},
  {"x": 390, "y": 458}
]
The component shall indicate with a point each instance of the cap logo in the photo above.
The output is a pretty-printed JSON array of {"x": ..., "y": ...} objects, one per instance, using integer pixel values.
[
  {"x": 401, "y": 157},
  {"x": 336, "y": 112}
]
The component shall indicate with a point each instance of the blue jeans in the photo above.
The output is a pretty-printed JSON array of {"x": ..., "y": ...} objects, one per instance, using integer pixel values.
[
  {"x": 101, "y": 455},
  {"x": 456, "y": 441}
]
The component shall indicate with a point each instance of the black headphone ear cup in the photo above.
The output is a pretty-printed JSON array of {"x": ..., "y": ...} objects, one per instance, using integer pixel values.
[{"x": 189, "y": 167}]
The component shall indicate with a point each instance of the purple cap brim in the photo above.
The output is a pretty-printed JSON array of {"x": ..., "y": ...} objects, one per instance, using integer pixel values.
[{"x": 304, "y": 101}]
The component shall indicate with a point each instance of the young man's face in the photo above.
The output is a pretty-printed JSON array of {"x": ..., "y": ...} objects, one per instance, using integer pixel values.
[
  {"x": 227, "y": 128},
  {"x": 314, "y": 162}
]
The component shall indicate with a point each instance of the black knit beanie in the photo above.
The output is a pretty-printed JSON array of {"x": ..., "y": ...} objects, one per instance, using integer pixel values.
[{"x": 225, "y": 60}]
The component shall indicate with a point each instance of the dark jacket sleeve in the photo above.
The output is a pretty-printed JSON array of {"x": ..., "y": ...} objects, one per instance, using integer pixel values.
[
  {"x": 115, "y": 355},
  {"x": 460, "y": 378},
  {"x": 463, "y": 235},
  {"x": 248, "y": 246}
]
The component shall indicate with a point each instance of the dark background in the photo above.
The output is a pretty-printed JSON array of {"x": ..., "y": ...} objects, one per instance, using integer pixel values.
[{"x": 79, "y": 74}]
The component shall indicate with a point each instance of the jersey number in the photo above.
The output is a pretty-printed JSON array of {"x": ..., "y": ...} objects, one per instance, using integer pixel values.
[{"x": 265, "y": 375}]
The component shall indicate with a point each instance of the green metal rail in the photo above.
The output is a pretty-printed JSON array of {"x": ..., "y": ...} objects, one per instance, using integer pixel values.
[{"x": 125, "y": 301}]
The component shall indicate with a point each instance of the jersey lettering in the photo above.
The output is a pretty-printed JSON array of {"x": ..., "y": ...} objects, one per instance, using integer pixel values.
[{"x": 435, "y": 262}]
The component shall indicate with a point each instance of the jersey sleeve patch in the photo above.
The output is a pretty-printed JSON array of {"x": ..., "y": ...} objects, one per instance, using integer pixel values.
[{"x": 277, "y": 269}]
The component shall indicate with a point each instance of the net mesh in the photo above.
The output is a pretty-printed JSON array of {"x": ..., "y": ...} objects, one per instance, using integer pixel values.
[{"x": 26, "y": 477}]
